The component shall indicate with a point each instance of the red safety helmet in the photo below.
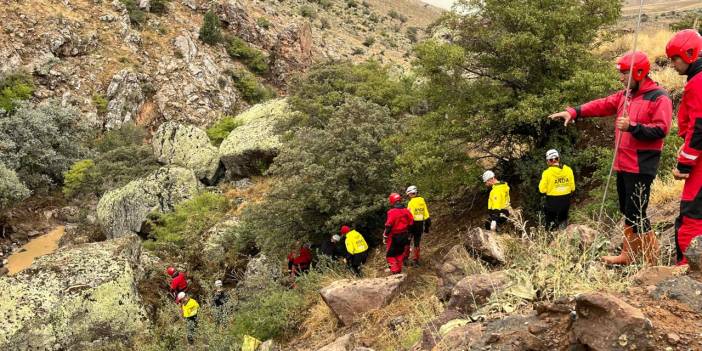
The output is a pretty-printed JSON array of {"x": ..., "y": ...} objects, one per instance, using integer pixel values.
[
  {"x": 686, "y": 44},
  {"x": 641, "y": 65},
  {"x": 394, "y": 198},
  {"x": 344, "y": 229},
  {"x": 170, "y": 271}
]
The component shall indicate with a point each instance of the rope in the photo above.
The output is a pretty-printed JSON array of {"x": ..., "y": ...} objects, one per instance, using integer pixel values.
[{"x": 626, "y": 111}]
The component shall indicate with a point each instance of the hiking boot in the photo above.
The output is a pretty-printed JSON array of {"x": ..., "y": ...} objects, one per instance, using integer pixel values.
[{"x": 630, "y": 247}]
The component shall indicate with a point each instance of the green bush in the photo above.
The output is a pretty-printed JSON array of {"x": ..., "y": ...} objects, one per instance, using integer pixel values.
[
  {"x": 220, "y": 130},
  {"x": 325, "y": 24},
  {"x": 308, "y": 11},
  {"x": 254, "y": 59},
  {"x": 412, "y": 33},
  {"x": 325, "y": 179},
  {"x": 351, "y": 3},
  {"x": 40, "y": 142},
  {"x": 251, "y": 89},
  {"x": 325, "y": 4},
  {"x": 269, "y": 315},
  {"x": 76, "y": 177},
  {"x": 211, "y": 30},
  {"x": 136, "y": 15},
  {"x": 159, "y": 6},
  {"x": 14, "y": 87},
  {"x": 127, "y": 134},
  {"x": 369, "y": 41},
  {"x": 100, "y": 104},
  {"x": 397, "y": 16},
  {"x": 180, "y": 232},
  {"x": 263, "y": 22},
  {"x": 687, "y": 22},
  {"x": 12, "y": 190}
]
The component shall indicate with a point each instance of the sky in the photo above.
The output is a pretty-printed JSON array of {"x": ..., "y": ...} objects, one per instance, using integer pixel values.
[{"x": 446, "y": 4}]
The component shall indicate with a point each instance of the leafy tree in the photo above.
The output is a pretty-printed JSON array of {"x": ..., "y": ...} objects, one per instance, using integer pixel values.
[
  {"x": 12, "y": 190},
  {"x": 490, "y": 90},
  {"x": 328, "y": 176},
  {"x": 254, "y": 59},
  {"x": 211, "y": 30},
  {"x": 40, "y": 142},
  {"x": 76, "y": 176},
  {"x": 250, "y": 88}
]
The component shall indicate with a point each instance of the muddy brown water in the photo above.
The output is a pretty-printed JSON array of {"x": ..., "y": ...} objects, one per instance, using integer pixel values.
[{"x": 40, "y": 246}]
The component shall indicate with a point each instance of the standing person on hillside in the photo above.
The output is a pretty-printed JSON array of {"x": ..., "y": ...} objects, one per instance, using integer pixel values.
[
  {"x": 331, "y": 247},
  {"x": 641, "y": 129},
  {"x": 356, "y": 248},
  {"x": 498, "y": 201},
  {"x": 684, "y": 51},
  {"x": 396, "y": 236},
  {"x": 420, "y": 212},
  {"x": 557, "y": 183},
  {"x": 219, "y": 301},
  {"x": 178, "y": 283},
  {"x": 189, "y": 308}
]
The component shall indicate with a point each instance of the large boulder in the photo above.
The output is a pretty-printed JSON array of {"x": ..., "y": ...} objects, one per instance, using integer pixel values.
[
  {"x": 74, "y": 297},
  {"x": 261, "y": 272},
  {"x": 213, "y": 252},
  {"x": 125, "y": 98},
  {"x": 342, "y": 343},
  {"x": 683, "y": 289},
  {"x": 693, "y": 254},
  {"x": 474, "y": 291},
  {"x": 189, "y": 147},
  {"x": 236, "y": 18},
  {"x": 349, "y": 299},
  {"x": 482, "y": 243},
  {"x": 123, "y": 211},
  {"x": 605, "y": 322},
  {"x": 250, "y": 148},
  {"x": 456, "y": 264}
]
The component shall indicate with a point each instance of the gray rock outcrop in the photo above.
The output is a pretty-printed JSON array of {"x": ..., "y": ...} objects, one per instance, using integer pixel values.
[
  {"x": 292, "y": 51},
  {"x": 250, "y": 148},
  {"x": 474, "y": 290},
  {"x": 349, "y": 299},
  {"x": 74, "y": 297},
  {"x": 189, "y": 147},
  {"x": 483, "y": 244},
  {"x": 123, "y": 211},
  {"x": 125, "y": 98}
]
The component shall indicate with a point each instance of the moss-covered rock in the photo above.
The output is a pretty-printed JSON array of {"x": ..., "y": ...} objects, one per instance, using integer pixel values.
[
  {"x": 250, "y": 148},
  {"x": 74, "y": 297},
  {"x": 189, "y": 147},
  {"x": 123, "y": 211}
]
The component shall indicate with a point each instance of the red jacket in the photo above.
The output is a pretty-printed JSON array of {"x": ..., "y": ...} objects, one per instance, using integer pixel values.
[
  {"x": 302, "y": 259},
  {"x": 179, "y": 283},
  {"x": 399, "y": 220},
  {"x": 690, "y": 119},
  {"x": 650, "y": 113}
]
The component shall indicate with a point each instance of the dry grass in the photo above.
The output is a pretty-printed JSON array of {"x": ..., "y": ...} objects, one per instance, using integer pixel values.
[
  {"x": 254, "y": 194},
  {"x": 665, "y": 191}
]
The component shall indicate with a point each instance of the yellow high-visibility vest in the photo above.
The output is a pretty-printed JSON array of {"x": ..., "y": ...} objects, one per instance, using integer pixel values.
[
  {"x": 355, "y": 243},
  {"x": 557, "y": 181},
  {"x": 418, "y": 208},
  {"x": 190, "y": 308},
  {"x": 499, "y": 197}
]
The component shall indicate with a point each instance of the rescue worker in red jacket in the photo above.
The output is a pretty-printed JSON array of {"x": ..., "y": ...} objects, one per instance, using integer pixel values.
[
  {"x": 396, "y": 234},
  {"x": 642, "y": 129},
  {"x": 299, "y": 259},
  {"x": 684, "y": 51},
  {"x": 178, "y": 283}
]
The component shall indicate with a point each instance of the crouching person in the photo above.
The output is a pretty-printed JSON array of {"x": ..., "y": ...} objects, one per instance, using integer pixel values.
[{"x": 356, "y": 248}]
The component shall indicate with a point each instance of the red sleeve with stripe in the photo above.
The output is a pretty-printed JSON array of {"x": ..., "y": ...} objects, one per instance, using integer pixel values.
[
  {"x": 604, "y": 107},
  {"x": 692, "y": 148}
]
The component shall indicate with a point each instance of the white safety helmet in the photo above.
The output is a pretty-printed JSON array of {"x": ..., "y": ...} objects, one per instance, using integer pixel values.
[
  {"x": 552, "y": 154},
  {"x": 336, "y": 238},
  {"x": 488, "y": 175},
  {"x": 218, "y": 283},
  {"x": 181, "y": 295},
  {"x": 411, "y": 190}
]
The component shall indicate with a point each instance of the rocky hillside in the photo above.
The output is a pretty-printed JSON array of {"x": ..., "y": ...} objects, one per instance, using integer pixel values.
[{"x": 120, "y": 61}]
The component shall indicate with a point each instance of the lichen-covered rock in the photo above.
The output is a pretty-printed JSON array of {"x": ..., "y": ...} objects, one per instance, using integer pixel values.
[
  {"x": 189, "y": 147},
  {"x": 474, "y": 290},
  {"x": 125, "y": 98},
  {"x": 213, "y": 250},
  {"x": 484, "y": 244},
  {"x": 236, "y": 18},
  {"x": 123, "y": 211},
  {"x": 73, "y": 297},
  {"x": 260, "y": 273},
  {"x": 250, "y": 148},
  {"x": 457, "y": 264},
  {"x": 694, "y": 255}
]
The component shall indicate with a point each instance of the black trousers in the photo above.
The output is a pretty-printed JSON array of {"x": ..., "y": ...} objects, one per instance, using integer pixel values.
[
  {"x": 634, "y": 191},
  {"x": 356, "y": 261},
  {"x": 499, "y": 216},
  {"x": 556, "y": 211},
  {"x": 416, "y": 231}
]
